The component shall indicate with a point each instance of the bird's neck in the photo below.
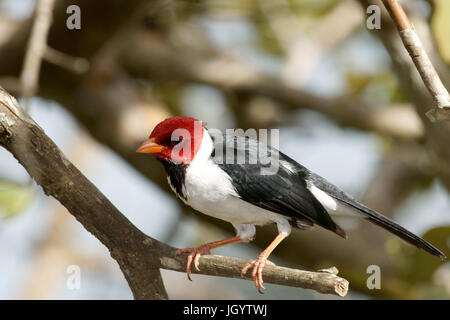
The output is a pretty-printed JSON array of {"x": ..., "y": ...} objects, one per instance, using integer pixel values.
[
  {"x": 205, "y": 150},
  {"x": 176, "y": 172}
]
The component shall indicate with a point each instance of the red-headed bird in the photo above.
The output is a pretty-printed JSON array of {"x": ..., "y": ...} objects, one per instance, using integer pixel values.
[{"x": 205, "y": 172}]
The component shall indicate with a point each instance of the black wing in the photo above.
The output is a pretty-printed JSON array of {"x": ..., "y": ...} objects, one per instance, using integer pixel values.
[
  {"x": 374, "y": 216},
  {"x": 284, "y": 191}
]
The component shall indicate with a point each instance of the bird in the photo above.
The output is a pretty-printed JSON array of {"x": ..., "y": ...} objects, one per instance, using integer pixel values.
[{"x": 222, "y": 175}]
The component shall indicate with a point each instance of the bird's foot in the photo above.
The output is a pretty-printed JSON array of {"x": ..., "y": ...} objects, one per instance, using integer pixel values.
[
  {"x": 258, "y": 266},
  {"x": 194, "y": 256}
]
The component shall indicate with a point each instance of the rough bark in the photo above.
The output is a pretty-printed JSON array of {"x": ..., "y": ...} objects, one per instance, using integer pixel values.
[
  {"x": 139, "y": 256},
  {"x": 418, "y": 54}
]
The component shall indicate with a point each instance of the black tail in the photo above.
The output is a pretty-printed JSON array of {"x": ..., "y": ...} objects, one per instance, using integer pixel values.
[{"x": 398, "y": 230}]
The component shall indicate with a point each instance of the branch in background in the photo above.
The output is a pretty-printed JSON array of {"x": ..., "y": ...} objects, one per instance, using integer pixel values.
[
  {"x": 423, "y": 64},
  {"x": 404, "y": 166},
  {"x": 396, "y": 176},
  {"x": 304, "y": 50},
  {"x": 37, "y": 46},
  {"x": 147, "y": 55},
  {"x": 138, "y": 256},
  {"x": 437, "y": 135},
  {"x": 160, "y": 62},
  {"x": 74, "y": 64}
]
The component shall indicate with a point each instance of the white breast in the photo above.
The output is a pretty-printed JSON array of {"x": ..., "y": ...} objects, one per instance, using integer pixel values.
[{"x": 209, "y": 190}]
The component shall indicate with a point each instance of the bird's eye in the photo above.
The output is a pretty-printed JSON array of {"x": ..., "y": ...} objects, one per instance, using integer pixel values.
[{"x": 175, "y": 141}]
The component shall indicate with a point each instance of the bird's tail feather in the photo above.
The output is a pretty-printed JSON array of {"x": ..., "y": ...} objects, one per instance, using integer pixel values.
[{"x": 398, "y": 230}]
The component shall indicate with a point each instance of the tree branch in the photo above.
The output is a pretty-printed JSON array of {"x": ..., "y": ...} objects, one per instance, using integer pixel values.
[
  {"x": 74, "y": 64},
  {"x": 59, "y": 178},
  {"x": 138, "y": 256},
  {"x": 420, "y": 58},
  {"x": 325, "y": 281},
  {"x": 37, "y": 46},
  {"x": 437, "y": 135}
]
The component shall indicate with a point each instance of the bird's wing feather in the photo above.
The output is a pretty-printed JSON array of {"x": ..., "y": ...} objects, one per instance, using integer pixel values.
[
  {"x": 287, "y": 192},
  {"x": 284, "y": 192},
  {"x": 373, "y": 215}
]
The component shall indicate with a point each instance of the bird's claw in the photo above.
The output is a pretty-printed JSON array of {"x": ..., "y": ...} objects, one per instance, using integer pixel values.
[
  {"x": 258, "y": 266},
  {"x": 194, "y": 256}
]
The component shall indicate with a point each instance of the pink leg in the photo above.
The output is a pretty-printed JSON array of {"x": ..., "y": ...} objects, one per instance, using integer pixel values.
[
  {"x": 258, "y": 264},
  {"x": 194, "y": 253}
]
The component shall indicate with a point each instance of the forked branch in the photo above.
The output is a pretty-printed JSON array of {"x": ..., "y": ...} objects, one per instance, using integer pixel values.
[{"x": 139, "y": 257}]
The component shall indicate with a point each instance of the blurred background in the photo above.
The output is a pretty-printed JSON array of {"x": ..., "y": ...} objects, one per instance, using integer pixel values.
[{"x": 346, "y": 108}]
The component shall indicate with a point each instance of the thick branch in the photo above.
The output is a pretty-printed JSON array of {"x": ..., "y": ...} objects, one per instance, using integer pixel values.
[
  {"x": 139, "y": 256},
  {"x": 421, "y": 60},
  {"x": 61, "y": 179}
]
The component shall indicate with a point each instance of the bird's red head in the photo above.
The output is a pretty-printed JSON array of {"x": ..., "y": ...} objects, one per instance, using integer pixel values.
[{"x": 175, "y": 139}]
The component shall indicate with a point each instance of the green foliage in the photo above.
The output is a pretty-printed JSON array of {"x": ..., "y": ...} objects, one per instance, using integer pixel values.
[
  {"x": 306, "y": 15},
  {"x": 14, "y": 197},
  {"x": 422, "y": 265},
  {"x": 375, "y": 87},
  {"x": 440, "y": 23},
  {"x": 417, "y": 269}
]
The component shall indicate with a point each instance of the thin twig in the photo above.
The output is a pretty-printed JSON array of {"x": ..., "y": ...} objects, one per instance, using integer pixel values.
[
  {"x": 74, "y": 64},
  {"x": 421, "y": 60},
  {"x": 37, "y": 46},
  {"x": 437, "y": 134}
]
